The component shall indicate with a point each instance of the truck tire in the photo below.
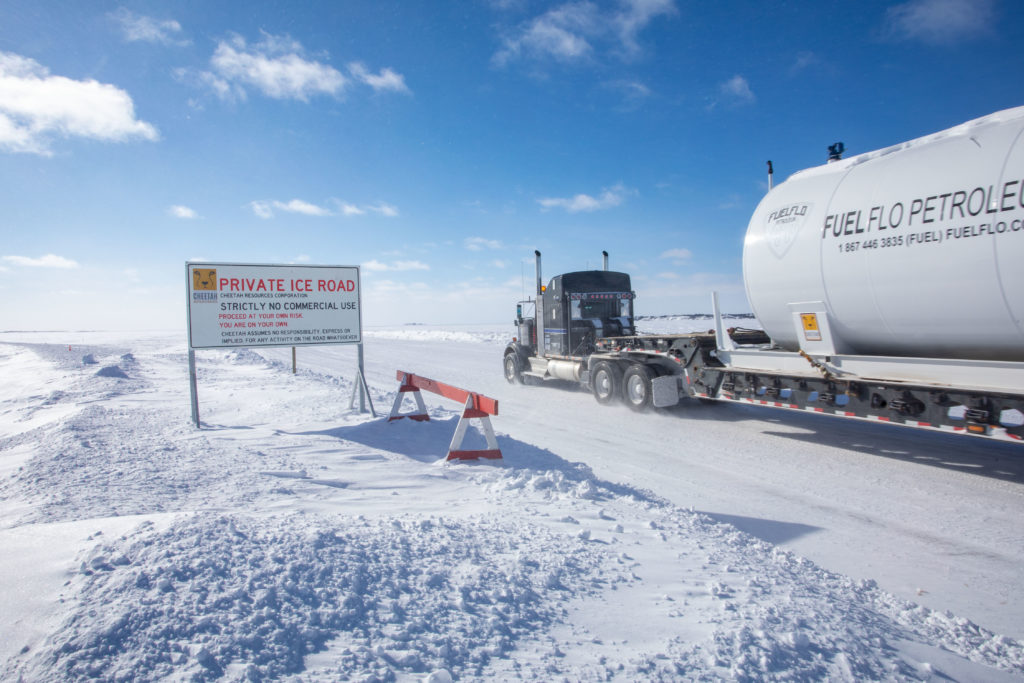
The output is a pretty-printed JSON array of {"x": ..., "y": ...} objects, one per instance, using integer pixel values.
[
  {"x": 636, "y": 387},
  {"x": 605, "y": 380},
  {"x": 513, "y": 368}
]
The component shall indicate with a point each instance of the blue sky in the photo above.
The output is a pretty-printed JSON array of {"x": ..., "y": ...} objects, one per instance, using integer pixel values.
[{"x": 437, "y": 144}]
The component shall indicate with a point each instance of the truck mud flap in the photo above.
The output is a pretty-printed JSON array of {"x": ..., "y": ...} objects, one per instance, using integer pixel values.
[{"x": 665, "y": 391}]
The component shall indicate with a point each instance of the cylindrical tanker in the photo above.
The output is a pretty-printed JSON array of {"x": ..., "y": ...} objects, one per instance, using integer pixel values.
[{"x": 913, "y": 250}]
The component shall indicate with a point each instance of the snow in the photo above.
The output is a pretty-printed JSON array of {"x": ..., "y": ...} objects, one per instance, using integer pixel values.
[{"x": 293, "y": 538}]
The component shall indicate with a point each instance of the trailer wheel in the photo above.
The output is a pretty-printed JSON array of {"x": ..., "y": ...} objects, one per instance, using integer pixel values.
[
  {"x": 636, "y": 387},
  {"x": 513, "y": 368},
  {"x": 605, "y": 379}
]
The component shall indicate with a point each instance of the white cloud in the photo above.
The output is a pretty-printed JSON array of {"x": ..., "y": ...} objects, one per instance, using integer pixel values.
[
  {"x": 384, "y": 209},
  {"x": 505, "y": 5},
  {"x": 678, "y": 256},
  {"x": 389, "y": 301},
  {"x": 939, "y": 22},
  {"x": 386, "y": 80},
  {"x": 576, "y": 31},
  {"x": 634, "y": 17},
  {"x": 263, "y": 209},
  {"x": 276, "y": 67},
  {"x": 633, "y": 92},
  {"x": 221, "y": 87},
  {"x": 351, "y": 209},
  {"x": 689, "y": 292},
  {"x": 376, "y": 266},
  {"x": 179, "y": 211},
  {"x": 410, "y": 265},
  {"x": 737, "y": 90},
  {"x": 48, "y": 261},
  {"x": 561, "y": 33},
  {"x": 137, "y": 28},
  {"x": 36, "y": 106},
  {"x": 299, "y": 206},
  {"x": 380, "y": 208},
  {"x": 803, "y": 61},
  {"x": 609, "y": 197},
  {"x": 481, "y": 243},
  {"x": 266, "y": 209}
]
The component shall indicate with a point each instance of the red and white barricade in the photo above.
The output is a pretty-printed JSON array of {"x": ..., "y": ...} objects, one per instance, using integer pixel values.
[{"x": 475, "y": 406}]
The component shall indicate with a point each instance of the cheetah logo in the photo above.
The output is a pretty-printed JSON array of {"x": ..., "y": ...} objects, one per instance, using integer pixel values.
[{"x": 204, "y": 278}]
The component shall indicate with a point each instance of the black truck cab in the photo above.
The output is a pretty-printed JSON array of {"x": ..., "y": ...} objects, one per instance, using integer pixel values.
[{"x": 579, "y": 308}]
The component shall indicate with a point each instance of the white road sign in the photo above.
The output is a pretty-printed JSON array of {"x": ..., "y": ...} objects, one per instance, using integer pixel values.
[{"x": 246, "y": 304}]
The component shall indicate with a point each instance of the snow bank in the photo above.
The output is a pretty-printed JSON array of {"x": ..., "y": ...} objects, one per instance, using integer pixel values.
[{"x": 229, "y": 595}]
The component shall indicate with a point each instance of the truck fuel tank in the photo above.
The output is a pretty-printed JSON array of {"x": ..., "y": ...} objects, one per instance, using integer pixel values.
[{"x": 565, "y": 369}]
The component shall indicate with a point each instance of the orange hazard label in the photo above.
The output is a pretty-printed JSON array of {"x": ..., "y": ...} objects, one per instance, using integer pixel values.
[{"x": 811, "y": 330}]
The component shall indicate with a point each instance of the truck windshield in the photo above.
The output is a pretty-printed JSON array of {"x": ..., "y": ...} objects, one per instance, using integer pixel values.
[{"x": 601, "y": 306}]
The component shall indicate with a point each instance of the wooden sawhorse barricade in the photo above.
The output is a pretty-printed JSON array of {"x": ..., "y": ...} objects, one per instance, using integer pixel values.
[{"x": 474, "y": 406}]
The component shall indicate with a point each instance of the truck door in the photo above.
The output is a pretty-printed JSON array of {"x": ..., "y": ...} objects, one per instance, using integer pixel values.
[{"x": 555, "y": 328}]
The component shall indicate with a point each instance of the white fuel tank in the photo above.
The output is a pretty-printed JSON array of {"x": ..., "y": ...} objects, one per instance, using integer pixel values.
[{"x": 913, "y": 250}]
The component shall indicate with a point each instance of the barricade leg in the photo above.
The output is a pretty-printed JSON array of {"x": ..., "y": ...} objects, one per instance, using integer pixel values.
[
  {"x": 492, "y": 452},
  {"x": 420, "y": 414}
]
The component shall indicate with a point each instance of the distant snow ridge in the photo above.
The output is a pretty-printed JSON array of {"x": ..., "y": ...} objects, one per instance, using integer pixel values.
[
  {"x": 247, "y": 357},
  {"x": 696, "y": 316},
  {"x": 244, "y": 357},
  {"x": 417, "y": 333},
  {"x": 409, "y": 595}
]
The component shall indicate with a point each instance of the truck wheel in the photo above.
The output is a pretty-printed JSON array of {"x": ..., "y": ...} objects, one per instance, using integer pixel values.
[
  {"x": 605, "y": 379},
  {"x": 636, "y": 386},
  {"x": 513, "y": 368}
]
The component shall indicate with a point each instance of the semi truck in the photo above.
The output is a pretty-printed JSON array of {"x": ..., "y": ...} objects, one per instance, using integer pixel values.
[{"x": 888, "y": 286}]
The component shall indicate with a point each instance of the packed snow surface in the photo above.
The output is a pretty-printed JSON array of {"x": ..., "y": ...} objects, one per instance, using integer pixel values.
[{"x": 293, "y": 537}]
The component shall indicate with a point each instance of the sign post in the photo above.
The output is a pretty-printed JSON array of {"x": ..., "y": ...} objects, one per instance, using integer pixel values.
[
  {"x": 192, "y": 386},
  {"x": 248, "y": 304}
]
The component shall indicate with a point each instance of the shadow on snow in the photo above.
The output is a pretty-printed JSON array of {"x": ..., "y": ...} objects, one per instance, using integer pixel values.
[{"x": 428, "y": 442}]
